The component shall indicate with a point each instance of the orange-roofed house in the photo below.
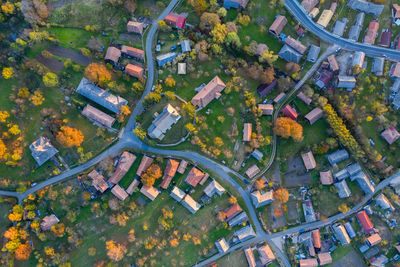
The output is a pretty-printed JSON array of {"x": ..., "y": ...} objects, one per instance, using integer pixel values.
[
  {"x": 289, "y": 112},
  {"x": 326, "y": 177},
  {"x": 123, "y": 167},
  {"x": 209, "y": 92},
  {"x": 278, "y": 25},
  {"x": 194, "y": 177},
  {"x": 232, "y": 211},
  {"x": 144, "y": 165},
  {"x": 112, "y": 55},
  {"x": 133, "y": 52},
  {"x": 247, "y": 131},
  {"x": 396, "y": 8},
  {"x": 135, "y": 27},
  {"x": 150, "y": 192},
  {"x": 324, "y": 258},
  {"x": 169, "y": 173},
  {"x": 266, "y": 255},
  {"x": 98, "y": 116},
  {"x": 308, "y": 262},
  {"x": 134, "y": 71},
  {"x": 251, "y": 261},
  {"x": 365, "y": 222},
  {"x": 308, "y": 160},
  {"x": 372, "y": 32},
  {"x": 176, "y": 21},
  {"x": 374, "y": 239},
  {"x": 316, "y": 238},
  {"x": 98, "y": 181},
  {"x": 119, "y": 192}
]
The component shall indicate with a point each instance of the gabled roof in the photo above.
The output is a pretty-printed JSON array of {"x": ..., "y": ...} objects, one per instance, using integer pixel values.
[
  {"x": 232, "y": 211},
  {"x": 113, "y": 54},
  {"x": 365, "y": 222},
  {"x": 252, "y": 171},
  {"x": 119, "y": 192},
  {"x": 316, "y": 238},
  {"x": 251, "y": 261},
  {"x": 247, "y": 131},
  {"x": 365, "y": 6},
  {"x": 308, "y": 160},
  {"x": 341, "y": 234},
  {"x": 337, "y": 156},
  {"x": 144, "y": 165},
  {"x": 383, "y": 202},
  {"x": 314, "y": 115},
  {"x": 371, "y": 33},
  {"x": 213, "y": 188},
  {"x": 135, "y": 183},
  {"x": 48, "y": 222},
  {"x": 209, "y": 92},
  {"x": 222, "y": 245},
  {"x": 177, "y": 194},
  {"x": 194, "y": 177},
  {"x": 169, "y": 173},
  {"x": 123, "y": 167},
  {"x": 98, "y": 116},
  {"x": 134, "y": 70},
  {"x": 324, "y": 258},
  {"x": 374, "y": 239},
  {"x": 326, "y": 177},
  {"x": 325, "y": 18},
  {"x": 242, "y": 217},
  {"x": 150, "y": 191},
  {"x": 132, "y": 51},
  {"x": 343, "y": 189},
  {"x": 260, "y": 199},
  {"x": 312, "y": 262},
  {"x": 288, "y": 111},
  {"x": 189, "y": 203},
  {"x": 333, "y": 63},
  {"x": 278, "y": 25},
  {"x": 42, "y": 150},
  {"x": 245, "y": 233},
  {"x": 267, "y": 109},
  {"x": 134, "y": 26},
  {"x": 289, "y": 54},
  {"x": 304, "y": 98},
  {"x": 163, "y": 122},
  {"x": 309, "y": 4},
  {"x": 295, "y": 44},
  {"x": 182, "y": 166},
  {"x": 390, "y": 135},
  {"x": 98, "y": 181},
  {"x": 266, "y": 254}
]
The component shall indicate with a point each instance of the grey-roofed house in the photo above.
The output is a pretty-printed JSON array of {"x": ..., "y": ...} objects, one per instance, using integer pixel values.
[
  {"x": 365, "y": 6},
  {"x": 164, "y": 59},
  {"x": 355, "y": 30},
  {"x": 380, "y": 261},
  {"x": 309, "y": 4},
  {"x": 395, "y": 86},
  {"x": 338, "y": 156},
  {"x": 343, "y": 189},
  {"x": 222, "y": 245},
  {"x": 309, "y": 160},
  {"x": 340, "y": 26},
  {"x": 365, "y": 184},
  {"x": 261, "y": 199},
  {"x": 163, "y": 122},
  {"x": 257, "y": 154},
  {"x": 333, "y": 63},
  {"x": 308, "y": 210},
  {"x": 349, "y": 229},
  {"x": 377, "y": 66},
  {"x": 383, "y": 202},
  {"x": 314, "y": 115},
  {"x": 185, "y": 46},
  {"x": 245, "y": 233},
  {"x": 353, "y": 169},
  {"x": 278, "y": 25},
  {"x": 359, "y": 174},
  {"x": 348, "y": 82},
  {"x": 177, "y": 194},
  {"x": 100, "y": 96},
  {"x": 213, "y": 188},
  {"x": 239, "y": 219},
  {"x": 304, "y": 98},
  {"x": 289, "y": 54},
  {"x": 386, "y": 37},
  {"x": 189, "y": 203},
  {"x": 313, "y": 53},
  {"x": 342, "y": 174},
  {"x": 358, "y": 59},
  {"x": 341, "y": 234},
  {"x": 396, "y": 101},
  {"x": 42, "y": 150}
]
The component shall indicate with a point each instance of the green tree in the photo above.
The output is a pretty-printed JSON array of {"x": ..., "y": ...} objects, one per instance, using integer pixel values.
[{"x": 50, "y": 79}]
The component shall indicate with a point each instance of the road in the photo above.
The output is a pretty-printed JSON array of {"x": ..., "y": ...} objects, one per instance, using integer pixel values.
[{"x": 297, "y": 10}]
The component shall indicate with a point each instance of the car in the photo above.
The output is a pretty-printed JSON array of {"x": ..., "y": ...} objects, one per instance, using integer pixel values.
[
  {"x": 173, "y": 48},
  {"x": 33, "y": 184},
  {"x": 301, "y": 231},
  {"x": 245, "y": 181}
]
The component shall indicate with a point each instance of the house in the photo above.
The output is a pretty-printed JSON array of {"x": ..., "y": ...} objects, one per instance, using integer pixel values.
[
  {"x": 380, "y": 261},
  {"x": 144, "y": 165},
  {"x": 325, "y": 18},
  {"x": 257, "y": 154},
  {"x": 134, "y": 71},
  {"x": 348, "y": 82},
  {"x": 252, "y": 171},
  {"x": 135, "y": 183},
  {"x": 176, "y": 21},
  {"x": 260, "y": 49},
  {"x": 312, "y": 262},
  {"x": 214, "y": 188},
  {"x": 98, "y": 181},
  {"x": 278, "y": 25},
  {"x": 209, "y": 92},
  {"x": 365, "y": 184},
  {"x": 333, "y": 63},
  {"x": 235, "y": 3},
  {"x": 182, "y": 166},
  {"x": 98, "y": 116},
  {"x": 123, "y": 167},
  {"x": 338, "y": 156},
  {"x": 341, "y": 234},
  {"x": 296, "y": 45},
  {"x": 112, "y": 55},
  {"x": 100, "y": 96},
  {"x": 396, "y": 9},
  {"x": 326, "y": 77},
  {"x": 313, "y": 53},
  {"x": 266, "y": 255},
  {"x": 119, "y": 192},
  {"x": 386, "y": 37},
  {"x": 353, "y": 169},
  {"x": 150, "y": 192},
  {"x": 247, "y": 131},
  {"x": 358, "y": 59},
  {"x": 42, "y": 150},
  {"x": 309, "y": 4},
  {"x": 264, "y": 89},
  {"x": 232, "y": 211},
  {"x": 372, "y": 32},
  {"x": 289, "y": 54},
  {"x": 279, "y": 98},
  {"x": 169, "y": 173},
  {"x": 245, "y": 233},
  {"x": 251, "y": 261},
  {"x": 395, "y": 86},
  {"x": 340, "y": 26},
  {"x": 267, "y": 109},
  {"x": 314, "y": 115},
  {"x": 366, "y": 6},
  {"x": 289, "y": 112},
  {"x": 309, "y": 211},
  {"x": 164, "y": 59},
  {"x": 355, "y": 30},
  {"x": 383, "y": 202},
  {"x": 365, "y": 222},
  {"x": 350, "y": 230},
  {"x": 304, "y": 98},
  {"x": 261, "y": 199},
  {"x": 316, "y": 236},
  {"x": 163, "y": 122},
  {"x": 177, "y": 194},
  {"x": 324, "y": 258},
  {"x": 222, "y": 245},
  {"x": 343, "y": 189},
  {"x": 239, "y": 219},
  {"x": 48, "y": 222},
  {"x": 194, "y": 177},
  {"x": 181, "y": 68},
  {"x": 374, "y": 239},
  {"x": 390, "y": 135},
  {"x": 395, "y": 70},
  {"x": 185, "y": 46},
  {"x": 341, "y": 175},
  {"x": 326, "y": 177},
  {"x": 135, "y": 27},
  {"x": 308, "y": 160},
  {"x": 132, "y": 52},
  {"x": 189, "y": 203},
  {"x": 377, "y": 65}
]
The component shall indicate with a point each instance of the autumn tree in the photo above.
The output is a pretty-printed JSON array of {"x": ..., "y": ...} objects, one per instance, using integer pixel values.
[
  {"x": 170, "y": 95},
  {"x": 37, "y": 98},
  {"x": 8, "y": 73},
  {"x": 219, "y": 33},
  {"x": 124, "y": 111},
  {"x": 243, "y": 19},
  {"x": 268, "y": 56},
  {"x": 221, "y": 216},
  {"x": 222, "y": 12},
  {"x": 69, "y": 137},
  {"x": 200, "y": 6},
  {"x": 259, "y": 184},
  {"x": 58, "y": 229},
  {"x": 286, "y": 127},
  {"x": 343, "y": 208},
  {"x": 98, "y": 73},
  {"x": 292, "y": 68},
  {"x": 232, "y": 200},
  {"x": 50, "y": 79},
  {"x": 209, "y": 20},
  {"x": 170, "y": 82},
  {"x": 233, "y": 39},
  {"x": 218, "y": 141},
  {"x": 139, "y": 132},
  {"x": 281, "y": 195},
  {"x": 35, "y": 11},
  {"x": 115, "y": 251},
  {"x": 23, "y": 252},
  {"x": 152, "y": 173},
  {"x": 137, "y": 87},
  {"x": 189, "y": 109}
]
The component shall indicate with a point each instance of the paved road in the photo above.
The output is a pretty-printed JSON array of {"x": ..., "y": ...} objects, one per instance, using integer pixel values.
[{"x": 299, "y": 13}]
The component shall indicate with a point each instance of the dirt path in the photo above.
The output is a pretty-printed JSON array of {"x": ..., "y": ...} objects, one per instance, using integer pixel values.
[
  {"x": 69, "y": 53},
  {"x": 52, "y": 64}
]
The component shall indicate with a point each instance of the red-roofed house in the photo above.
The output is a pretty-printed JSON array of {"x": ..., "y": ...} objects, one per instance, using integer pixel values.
[
  {"x": 247, "y": 131},
  {"x": 390, "y": 135},
  {"x": 372, "y": 31},
  {"x": 133, "y": 52},
  {"x": 144, "y": 165},
  {"x": 194, "y": 176},
  {"x": 232, "y": 211},
  {"x": 123, "y": 167},
  {"x": 169, "y": 173},
  {"x": 209, "y": 92},
  {"x": 365, "y": 222},
  {"x": 288, "y": 111},
  {"x": 175, "y": 20},
  {"x": 316, "y": 238},
  {"x": 134, "y": 71}
]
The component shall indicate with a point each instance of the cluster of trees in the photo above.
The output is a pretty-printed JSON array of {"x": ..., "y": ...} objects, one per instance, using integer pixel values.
[
  {"x": 10, "y": 140},
  {"x": 286, "y": 127}
]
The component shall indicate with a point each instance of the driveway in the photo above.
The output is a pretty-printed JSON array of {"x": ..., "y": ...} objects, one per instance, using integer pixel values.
[{"x": 69, "y": 53}]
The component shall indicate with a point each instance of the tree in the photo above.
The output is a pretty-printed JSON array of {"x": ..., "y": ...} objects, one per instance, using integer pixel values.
[
  {"x": 233, "y": 39},
  {"x": 58, "y": 229},
  {"x": 200, "y": 6},
  {"x": 23, "y": 252},
  {"x": 35, "y": 11},
  {"x": 8, "y": 73},
  {"x": 219, "y": 33},
  {"x": 286, "y": 127},
  {"x": 69, "y": 137},
  {"x": 170, "y": 82},
  {"x": 259, "y": 184},
  {"x": 243, "y": 19},
  {"x": 189, "y": 109},
  {"x": 124, "y": 111},
  {"x": 232, "y": 200},
  {"x": 115, "y": 251},
  {"x": 292, "y": 68},
  {"x": 137, "y": 87},
  {"x": 50, "y": 79},
  {"x": 221, "y": 216},
  {"x": 170, "y": 95},
  {"x": 281, "y": 195},
  {"x": 98, "y": 73},
  {"x": 268, "y": 56},
  {"x": 23, "y": 92},
  {"x": 343, "y": 208},
  {"x": 209, "y": 20},
  {"x": 152, "y": 173},
  {"x": 222, "y": 12},
  {"x": 218, "y": 141},
  {"x": 139, "y": 132},
  {"x": 37, "y": 98}
]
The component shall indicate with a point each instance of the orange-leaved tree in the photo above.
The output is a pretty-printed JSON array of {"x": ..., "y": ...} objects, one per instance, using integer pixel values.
[
  {"x": 151, "y": 174},
  {"x": 281, "y": 195},
  {"x": 69, "y": 137},
  {"x": 286, "y": 127},
  {"x": 115, "y": 251},
  {"x": 23, "y": 252},
  {"x": 98, "y": 73}
]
